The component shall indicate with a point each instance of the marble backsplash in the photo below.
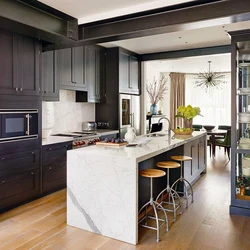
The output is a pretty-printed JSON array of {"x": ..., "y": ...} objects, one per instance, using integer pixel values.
[{"x": 66, "y": 115}]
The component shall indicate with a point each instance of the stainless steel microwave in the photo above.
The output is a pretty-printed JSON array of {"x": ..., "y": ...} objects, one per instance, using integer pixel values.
[{"x": 18, "y": 124}]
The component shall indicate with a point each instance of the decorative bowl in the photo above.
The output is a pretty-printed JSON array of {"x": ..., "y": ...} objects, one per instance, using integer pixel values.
[
  {"x": 178, "y": 132},
  {"x": 244, "y": 117},
  {"x": 143, "y": 140},
  {"x": 244, "y": 90},
  {"x": 208, "y": 127}
]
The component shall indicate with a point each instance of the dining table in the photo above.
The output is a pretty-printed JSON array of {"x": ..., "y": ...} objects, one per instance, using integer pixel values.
[{"x": 213, "y": 134}]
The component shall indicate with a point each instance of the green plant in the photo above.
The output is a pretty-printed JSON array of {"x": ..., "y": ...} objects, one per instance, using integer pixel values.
[{"x": 188, "y": 112}]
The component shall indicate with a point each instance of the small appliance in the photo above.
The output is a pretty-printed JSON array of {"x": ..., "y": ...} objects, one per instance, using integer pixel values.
[
  {"x": 89, "y": 126},
  {"x": 18, "y": 124}
]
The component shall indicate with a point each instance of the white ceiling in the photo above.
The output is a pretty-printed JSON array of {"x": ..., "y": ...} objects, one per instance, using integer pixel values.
[
  {"x": 92, "y": 10},
  {"x": 219, "y": 63},
  {"x": 216, "y": 34}
]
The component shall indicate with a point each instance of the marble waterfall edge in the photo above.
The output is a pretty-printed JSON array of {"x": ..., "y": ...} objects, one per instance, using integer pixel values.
[{"x": 101, "y": 194}]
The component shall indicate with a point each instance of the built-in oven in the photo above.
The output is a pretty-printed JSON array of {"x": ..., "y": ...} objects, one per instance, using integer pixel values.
[{"x": 18, "y": 124}]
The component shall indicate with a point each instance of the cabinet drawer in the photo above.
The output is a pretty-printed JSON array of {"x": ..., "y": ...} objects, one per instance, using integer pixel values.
[
  {"x": 54, "y": 153},
  {"x": 19, "y": 162},
  {"x": 54, "y": 176},
  {"x": 16, "y": 189}
]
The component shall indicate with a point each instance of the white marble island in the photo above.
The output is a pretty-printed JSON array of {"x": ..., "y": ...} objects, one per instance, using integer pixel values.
[{"x": 102, "y": 185}]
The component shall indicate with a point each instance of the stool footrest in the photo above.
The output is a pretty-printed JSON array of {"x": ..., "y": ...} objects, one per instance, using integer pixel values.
[{"x": 154, "y": 218}]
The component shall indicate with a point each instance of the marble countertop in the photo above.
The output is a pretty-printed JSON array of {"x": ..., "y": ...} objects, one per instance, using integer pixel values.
[
  {"x": 103, "y": 132},
  {"x": 56, "y": 139},
  {"x": 154, "y": 147}
]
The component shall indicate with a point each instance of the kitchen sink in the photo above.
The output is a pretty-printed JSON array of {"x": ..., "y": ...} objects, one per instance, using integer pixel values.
[{"x": 155, "y": 135}]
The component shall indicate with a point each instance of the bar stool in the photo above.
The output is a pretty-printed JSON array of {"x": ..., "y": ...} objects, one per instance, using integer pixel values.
[
  {"x": 182, "y": 158},
  {"x": 153, "y": 173},
  {"x": 172, "y": 193}
]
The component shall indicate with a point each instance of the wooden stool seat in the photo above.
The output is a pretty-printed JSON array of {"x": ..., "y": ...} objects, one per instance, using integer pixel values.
[
  {"x": 152, "y": 173},
  {"x": 181, "y": 158},
  {"x": 168, "y": 164}
]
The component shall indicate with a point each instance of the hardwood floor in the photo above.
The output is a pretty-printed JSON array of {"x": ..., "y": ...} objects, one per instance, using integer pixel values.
[{"x": 205, "y": 225}]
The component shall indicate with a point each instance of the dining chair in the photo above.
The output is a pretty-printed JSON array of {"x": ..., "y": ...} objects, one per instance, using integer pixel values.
[
  {"x": 197, "y": 127},
  {"x": 209, "y": 144},
  {"x": 222, "y": 127},
  {"x": 226, "y": 142}
]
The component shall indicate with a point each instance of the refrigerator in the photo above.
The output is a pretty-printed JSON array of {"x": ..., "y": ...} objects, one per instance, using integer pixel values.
[{"x": 129, "y": 114}]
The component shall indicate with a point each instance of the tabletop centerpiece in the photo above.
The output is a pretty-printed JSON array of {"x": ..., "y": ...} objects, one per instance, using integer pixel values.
[
  {"x": 187, "y": 113},
  {"x": 156, "y": 93}
]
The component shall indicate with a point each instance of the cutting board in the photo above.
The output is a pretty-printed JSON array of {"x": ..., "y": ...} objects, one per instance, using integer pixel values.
[{"x": 103, "y": 143}]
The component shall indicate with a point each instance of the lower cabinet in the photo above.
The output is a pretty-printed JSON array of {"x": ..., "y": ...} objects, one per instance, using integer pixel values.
[
  {"x": 54, "y": 162},
  {"x": 196, "y": 150},
  {"x": 19, "y": 178}
]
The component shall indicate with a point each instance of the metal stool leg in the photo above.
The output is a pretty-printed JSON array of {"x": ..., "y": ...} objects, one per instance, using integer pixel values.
[
  {"x": 154, "y": 204},
  {"x": 170, "y": 191},
  {"x": 183, "y": 180}
]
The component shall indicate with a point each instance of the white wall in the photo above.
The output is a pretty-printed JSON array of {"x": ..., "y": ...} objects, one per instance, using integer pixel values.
[{"x": 66, "y": 115}]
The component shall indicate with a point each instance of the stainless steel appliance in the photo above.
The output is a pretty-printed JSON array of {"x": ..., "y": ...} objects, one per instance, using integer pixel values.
[
  {"x": 82, "y": 139},
  {"x": 89, "y": 126},
  {"x": 18, "y": 124},
  {"x": 129, "y": 113}
]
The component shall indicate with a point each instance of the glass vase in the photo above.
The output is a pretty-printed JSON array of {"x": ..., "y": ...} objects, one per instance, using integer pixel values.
[
  {"x": 188, "y": 123},
  {"x": 153, "y": 109}
]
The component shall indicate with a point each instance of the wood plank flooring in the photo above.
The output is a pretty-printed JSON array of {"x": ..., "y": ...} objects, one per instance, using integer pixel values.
[{"x": 205, "y": 225}]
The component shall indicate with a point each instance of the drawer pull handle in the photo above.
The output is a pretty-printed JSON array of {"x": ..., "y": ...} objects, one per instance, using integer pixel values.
[
  {"x": 3, "y": 181},
  {"x": 50, "y": 168},
  {"x": 32, "y": 153},
  {"x": 32, "y": 173},
  {"x": 3, "y": 158},
  {"x": 49, "y": 149}
]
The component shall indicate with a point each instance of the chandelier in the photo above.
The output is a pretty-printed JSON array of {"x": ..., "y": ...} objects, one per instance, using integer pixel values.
[{"x": 209, "y": 79}]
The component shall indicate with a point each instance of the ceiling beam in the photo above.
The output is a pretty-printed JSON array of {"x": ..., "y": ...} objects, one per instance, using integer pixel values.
[
  {"x": 183, "y": 17},
  {"x": 186, "y": 53},
  {"x": 33, "y": 18}
]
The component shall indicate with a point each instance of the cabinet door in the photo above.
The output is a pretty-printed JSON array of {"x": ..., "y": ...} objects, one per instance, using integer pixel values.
[
  {"x": 28, "y": 66},
  {"x": 19, "y": 188},
  {"x": 7, "y": 71},
  {"x": 65, "y": 67},
  {"x": 54, "y": 167},
  {"x": 71, "y": 67},
  {"x": 50, "y": 86},
  {"x": 202, "y": 154},
  {"x": 94, "y": 73},
  {"x": 78, "y": 62},
  {"x": 134, "y": 85},
  {"x": 124, "y": 75}
]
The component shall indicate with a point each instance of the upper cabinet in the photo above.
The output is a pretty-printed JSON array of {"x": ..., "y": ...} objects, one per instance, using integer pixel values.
[
  {"x": 71, "y": 63},
  {"x": 129, "y": 73},
  {"x": 94, "y": 73},
  {"x": 49, "y": 75},
  {"x": 19, "y": 67}
]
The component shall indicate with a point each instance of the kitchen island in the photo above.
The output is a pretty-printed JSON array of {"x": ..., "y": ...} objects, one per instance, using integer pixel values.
[{"x": 104, "y": 188}]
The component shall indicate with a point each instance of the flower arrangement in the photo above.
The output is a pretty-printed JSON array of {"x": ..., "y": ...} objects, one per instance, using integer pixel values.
[
  {"x": 156, "y": 90},
  {"x": 188, "y": 112}
]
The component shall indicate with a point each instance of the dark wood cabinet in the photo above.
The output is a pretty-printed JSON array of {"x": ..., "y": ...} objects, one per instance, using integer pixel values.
[
  {"x": 54, "y": 169},
  {"x": 129, "y": 70},
  {"x": 19, "y": 67},
  {"x": 71, "y": 63},
  {"x": 49, "y": 77},
  {"x": 94, "y": 73},
  {"x": 19, "y": 178}
]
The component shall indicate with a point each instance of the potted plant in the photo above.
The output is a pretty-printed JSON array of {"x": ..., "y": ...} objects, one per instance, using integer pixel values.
[
  {"x": 156, "y": 92},
  {"x": 188, "y": 113}
]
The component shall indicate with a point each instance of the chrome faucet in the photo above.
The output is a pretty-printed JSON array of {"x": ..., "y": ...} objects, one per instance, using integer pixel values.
[{"x": 169, "y": 127}]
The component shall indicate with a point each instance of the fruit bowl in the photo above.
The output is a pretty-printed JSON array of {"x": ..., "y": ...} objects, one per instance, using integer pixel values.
[
  {"x": 208, "y": 127},
  {"x": 183, "y": 131}
]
